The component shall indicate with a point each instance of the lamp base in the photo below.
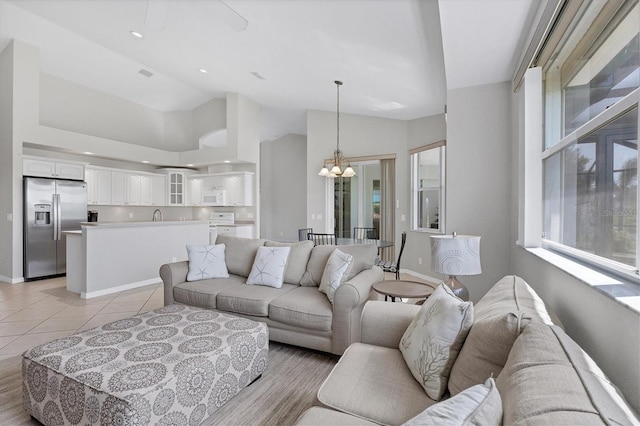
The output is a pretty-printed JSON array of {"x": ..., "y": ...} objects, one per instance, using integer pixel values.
[{"x": 457, "y": 287}]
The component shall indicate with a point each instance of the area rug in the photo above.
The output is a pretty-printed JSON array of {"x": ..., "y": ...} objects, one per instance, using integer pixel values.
[{"x": 286, "y": 389}]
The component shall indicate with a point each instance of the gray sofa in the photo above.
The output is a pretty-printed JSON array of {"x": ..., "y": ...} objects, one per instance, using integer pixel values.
[
  {"x": 542, "y": 376},
  {"x": 298, "y": 313}
]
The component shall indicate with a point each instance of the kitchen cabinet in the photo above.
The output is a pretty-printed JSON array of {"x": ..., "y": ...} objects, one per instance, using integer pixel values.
[
  {"x": 98, "y": 185},
  {"x": 55, "y": 169},
  {"x": 133, "y": 193},
  {"x": 177, "y": 186},
  {"x": 146, "y": 196},
  {"x": 158, "y": 190},
  {"x": 239, "y": 189},
  {"x": 195, "y": 191},
  {"x": 118, "y": 188}
]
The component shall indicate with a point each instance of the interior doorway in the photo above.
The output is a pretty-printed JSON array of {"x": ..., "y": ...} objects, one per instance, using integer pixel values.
[{"x": 356, "y": 200}]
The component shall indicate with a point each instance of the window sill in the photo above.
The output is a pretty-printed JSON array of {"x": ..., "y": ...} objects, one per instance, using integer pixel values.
[{"x": 627, "y": 293}]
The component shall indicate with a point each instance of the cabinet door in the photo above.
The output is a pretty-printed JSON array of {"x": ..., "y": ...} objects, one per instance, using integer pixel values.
[
  {"x": 232, "y": 198},
  {"x": 195, "y": 191},
  {"x": 102, "y": 180},
  {"x": 118, "y": 188},
  {"x": 90, "y": 179},
  {"x": 98, "y": 186},
  {"x": 146, "y": 186},
  {"x": 159, "y": 191},
  {"x": 32, "y": 167},
  {"x": 69, "y": 171},
  {"x": 133, "y": 189},
  {"x": 176, "y": 189}
]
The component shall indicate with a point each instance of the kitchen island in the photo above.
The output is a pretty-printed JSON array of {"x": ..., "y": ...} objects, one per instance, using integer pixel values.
[{"x": 109, "y": 257}]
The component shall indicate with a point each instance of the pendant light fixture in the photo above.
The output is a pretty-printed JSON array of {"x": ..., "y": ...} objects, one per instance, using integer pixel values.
[{"x": 339, "y": 160}]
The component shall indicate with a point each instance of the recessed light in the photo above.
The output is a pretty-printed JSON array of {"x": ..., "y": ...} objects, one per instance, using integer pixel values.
[
  {"x": 135, "y": 34},
  {"x": 202, "y": 70},
  {"x": 88, "y": 153},
  {"x": 257, "y": 75},
  {"x": 189, "y": 165},
  {"x": 226, "y": 161},
  {"x": 145, "y": 161}
]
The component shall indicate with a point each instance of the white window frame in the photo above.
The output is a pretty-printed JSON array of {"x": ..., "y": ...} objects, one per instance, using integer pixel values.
[{"x": 415, "y": 186}]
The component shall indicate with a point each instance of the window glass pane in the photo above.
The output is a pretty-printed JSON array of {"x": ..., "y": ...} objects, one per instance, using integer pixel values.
[
  {"x": 591, "y": 192},
  {"x": 428, "y": 185}
]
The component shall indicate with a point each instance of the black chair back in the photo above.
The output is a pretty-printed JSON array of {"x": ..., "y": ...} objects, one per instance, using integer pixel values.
[
  {"x": 365, "y": 233},
  {"x": 322, "y": 239},
  {"x": 302, "y": 233}
]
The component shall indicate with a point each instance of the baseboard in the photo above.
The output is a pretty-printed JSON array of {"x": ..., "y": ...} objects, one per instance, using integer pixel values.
[
  {"x": 421, "y": 276},
  {"x": 11, "y": 280},
  {"x": 119, "y": 288}
]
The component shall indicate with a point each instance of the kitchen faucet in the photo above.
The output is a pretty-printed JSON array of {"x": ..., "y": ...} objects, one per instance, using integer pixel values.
[{"x": 157, "y": 213}]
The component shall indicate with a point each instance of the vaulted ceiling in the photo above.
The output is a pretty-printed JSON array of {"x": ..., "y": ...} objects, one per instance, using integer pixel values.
[{"x": 396, "y": 58}]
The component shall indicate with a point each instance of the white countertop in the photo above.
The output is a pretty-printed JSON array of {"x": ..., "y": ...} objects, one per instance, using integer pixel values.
[
  {"x": 142, "y": 223},
  {"x": 77, "y": 232}
]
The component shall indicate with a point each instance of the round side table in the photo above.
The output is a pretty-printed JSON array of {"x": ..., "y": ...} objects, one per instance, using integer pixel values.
[{"x": 402, "y": 288}]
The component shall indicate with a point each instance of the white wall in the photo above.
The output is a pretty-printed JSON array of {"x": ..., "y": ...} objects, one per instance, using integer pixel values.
[
  {"x": 19, "y": 84},
  {"x": 283, "y": 181}
]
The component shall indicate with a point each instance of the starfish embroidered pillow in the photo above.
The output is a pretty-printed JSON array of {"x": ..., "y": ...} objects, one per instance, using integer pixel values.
[
  {"x": 268, "y": 266},
  {"x": 335, "y": 272},
  {"x": 206, "y": 262}
]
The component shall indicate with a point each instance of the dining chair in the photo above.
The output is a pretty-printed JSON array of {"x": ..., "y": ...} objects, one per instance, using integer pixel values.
[
  {"x": 322, "y": 239},
  {"x": 302, "y": 233},
  {"x": 365, "y": 233},
  {"x": 388, "y": 266}
]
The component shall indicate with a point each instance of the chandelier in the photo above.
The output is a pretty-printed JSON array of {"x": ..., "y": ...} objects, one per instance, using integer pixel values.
[{"x": 339, "y": 161}]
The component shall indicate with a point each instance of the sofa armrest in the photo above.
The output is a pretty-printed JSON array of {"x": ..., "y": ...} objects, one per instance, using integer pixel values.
[
  {"x": 384, "y": 323},
  {"x": 348, "y": 302},
  {"x": 172, "y": 274}
]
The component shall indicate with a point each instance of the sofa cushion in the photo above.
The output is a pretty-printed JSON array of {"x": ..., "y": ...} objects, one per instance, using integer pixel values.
[
  {"x": 250, "y": 299},
  {"x": 433, "y": 340},
  {"x": 298, "y": 259},
  {"x": 335, "y": 272},
  {"x": 302, "y": 307},
  {"x": 499, "y": 317},
  {"x": 203, "y": 293},
  {"x": 239, "y": 253},
  {"x": 268, "y": 266},
  {"x": 206, "y": 262},
  {"x": 364, "y": 256},
  {"x": 479, "y": 405},
  {"x": 548, "y": 380},
  {"x": 374, "y": 383}
]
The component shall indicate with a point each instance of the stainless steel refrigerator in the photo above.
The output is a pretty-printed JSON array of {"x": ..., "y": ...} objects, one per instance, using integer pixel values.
[{"x": 51, "y": 206}]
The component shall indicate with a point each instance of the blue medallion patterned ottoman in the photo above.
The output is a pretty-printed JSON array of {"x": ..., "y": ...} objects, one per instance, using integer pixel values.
[{"x": 174, "y": 365}]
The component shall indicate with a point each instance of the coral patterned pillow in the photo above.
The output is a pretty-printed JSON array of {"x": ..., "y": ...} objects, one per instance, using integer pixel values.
[{"x": 433, "y": 340}]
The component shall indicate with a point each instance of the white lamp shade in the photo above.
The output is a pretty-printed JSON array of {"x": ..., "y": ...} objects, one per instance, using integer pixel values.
[
  {"x": 459, "y": 255},
  {"x": 324, "y": 171},
  {"x": 349, "y": 172},
  {"x": 336, "y": 170}
]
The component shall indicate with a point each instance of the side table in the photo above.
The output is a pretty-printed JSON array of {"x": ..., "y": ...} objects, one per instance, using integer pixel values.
[{"x": 403, "y": 288}]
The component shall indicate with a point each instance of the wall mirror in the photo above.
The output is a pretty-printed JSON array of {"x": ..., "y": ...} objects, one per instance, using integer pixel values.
[{"x": 428, "y": 188}]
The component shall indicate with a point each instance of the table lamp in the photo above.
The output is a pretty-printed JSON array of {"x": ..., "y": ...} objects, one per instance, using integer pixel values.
[{"x": 455, "y": 255}]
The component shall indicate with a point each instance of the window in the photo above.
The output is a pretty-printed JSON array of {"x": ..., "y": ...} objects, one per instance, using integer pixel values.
[
  {"x": 590, "y": 156},
  {"x": 427, "y": 187}
]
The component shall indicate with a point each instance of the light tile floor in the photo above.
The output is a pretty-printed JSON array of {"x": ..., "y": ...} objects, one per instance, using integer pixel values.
[{"x": 36, "y": 312}]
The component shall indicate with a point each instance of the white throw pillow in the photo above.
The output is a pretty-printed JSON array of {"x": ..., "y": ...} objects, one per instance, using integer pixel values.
[
  {"x": 477, "y": 405},
  {"x": 206, "y": 262},
  {"x": 433, "y": 340},
  {"x": 335, "y": 272},
  {"x": 268, "y": 266}
]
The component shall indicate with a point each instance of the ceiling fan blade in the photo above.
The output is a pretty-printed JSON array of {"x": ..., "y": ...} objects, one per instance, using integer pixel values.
[
  {"x": 229, "y": 16},
  {"x": 156, "y": 18}
]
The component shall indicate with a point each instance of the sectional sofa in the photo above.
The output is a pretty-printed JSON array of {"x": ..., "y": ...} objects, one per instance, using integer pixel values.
[
  {"x": 297, "y": 313},
  {"x": 515, "y": 367}
]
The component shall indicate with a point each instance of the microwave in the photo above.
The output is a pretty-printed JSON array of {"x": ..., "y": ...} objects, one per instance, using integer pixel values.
[{"x": 215, "y": 197}]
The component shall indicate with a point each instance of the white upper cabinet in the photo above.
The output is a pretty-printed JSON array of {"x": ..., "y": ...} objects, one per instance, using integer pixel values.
[
  {"x": 133, "y": 194},
  {"x": 98, "y": 185},
  {"x": 54, "y": 169},
  {"x": 158, "y": 190},
  {"x": 239, "y": 189}
]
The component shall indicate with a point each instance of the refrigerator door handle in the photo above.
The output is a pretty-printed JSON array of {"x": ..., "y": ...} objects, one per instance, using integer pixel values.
[{"x": 56, "y": 216}]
